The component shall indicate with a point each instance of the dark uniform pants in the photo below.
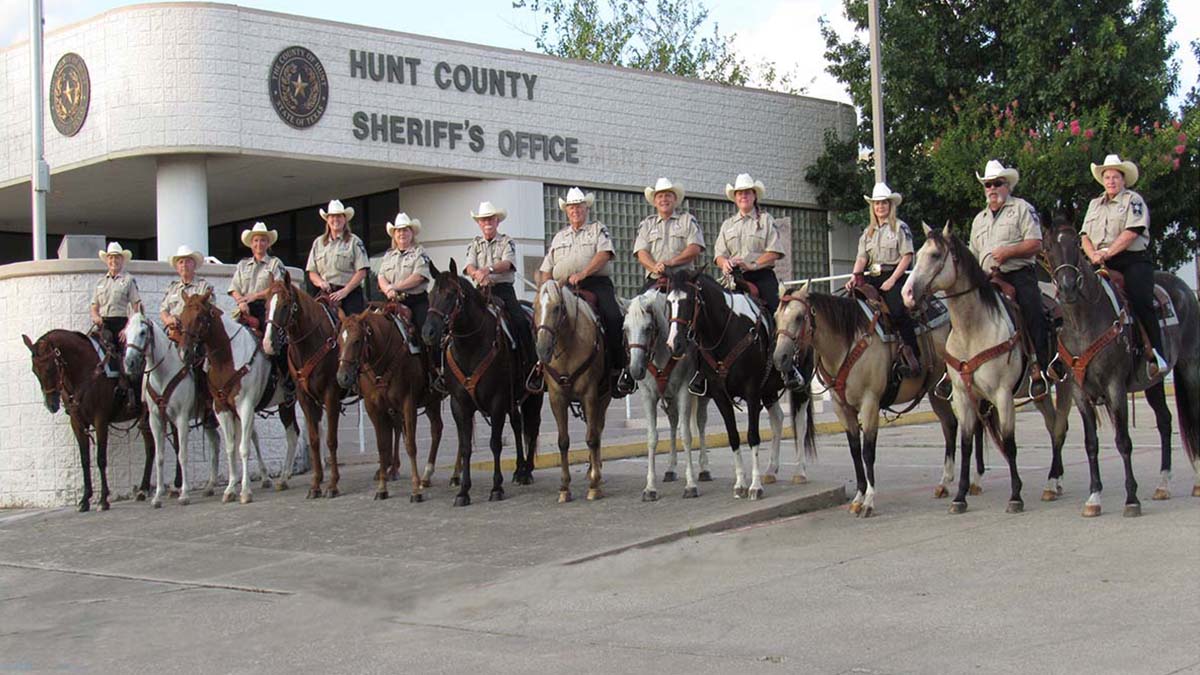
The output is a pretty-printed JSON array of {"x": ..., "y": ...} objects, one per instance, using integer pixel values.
[
  {"x": 610, "y": 317},
  {"x": 354, "y": 303},
  {"x": 517, "y": 319},
  {"x": 419, "y": 304},
  {"x": 896, "y": 310},
  {"x": 768, "y": 287},
  {"x": 1139, "y": 288},
  {"x": 1029, "y": 299}
]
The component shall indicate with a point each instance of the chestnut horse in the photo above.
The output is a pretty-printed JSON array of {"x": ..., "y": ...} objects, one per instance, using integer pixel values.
[
  {"x": 71, "y": 374},
  {"x": 374, "y": 356},
  {"x": 312, "y": 357}
]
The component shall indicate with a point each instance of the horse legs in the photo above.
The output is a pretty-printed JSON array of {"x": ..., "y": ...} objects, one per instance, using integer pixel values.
[
  {"x": 408, "y": 408},
  {"x": 1118, "y": 414},
  {"x": 332, "y": 409},
  {"x": 464, "y": 420},
  {"x": 725, "y": 406},
  {"x": 230, "y": 432},
  {"x": 850, "y": 423},
  {"x": 287, "y": 417},
  {"x": 685, "y": 408},
  {"x": 158, "y": 430},
  {"x": 1054, "y": 479},
  {"x": 700, "y": 418},
  {"x": 1006, "y": 424},
  {"x": 262, "y": 464},
  {"x": 497, "y": 442},
  {"x": 531, "y": 424},
  {"x": 213, "y": 443},
  {"x": 516, "y": 421},
  {"x": 775, "y": 416},
  {"x": 950, "y": 435},
  {"x": 433, "y": 412},
  {"x": 978, "y": 469},
  {"x": 800, "y": 423},
  {"x": 102, "y": 462},
  {"x": 755, "y": 441},
  {"x": 968, "y": 421},
  {"x": 869, "y": 414},
  {"x": 143, "y": 424},
  {"x": 245, "y": 435},
  {"x": 650, "y": 406},
  {"x": 85, "y": 461},
  {"x": 181, "y": 458},
  {"x": 594, "y": 411},
  {"x": 1091, "y": 446},
  {"x": 312, "y": 428},
  {"x": 558, "y": 405},
  {"x": 1156, "y": 396}
]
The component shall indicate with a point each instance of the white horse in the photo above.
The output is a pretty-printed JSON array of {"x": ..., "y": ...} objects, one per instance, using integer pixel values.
[
  {"x": 238, "y": 373},
  {"x": 646, "y": 336}
]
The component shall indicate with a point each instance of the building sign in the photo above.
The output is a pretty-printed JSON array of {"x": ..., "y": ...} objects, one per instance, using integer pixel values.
[
  {"x": 299, "y": 87},
  {"x": 70, "y": 94}
]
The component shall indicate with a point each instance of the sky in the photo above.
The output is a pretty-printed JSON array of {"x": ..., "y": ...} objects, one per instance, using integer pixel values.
[{"x": 783, "y": 31}]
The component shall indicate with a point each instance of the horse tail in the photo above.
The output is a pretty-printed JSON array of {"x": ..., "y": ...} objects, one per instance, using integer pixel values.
[
  {"x": 810, "y": 430},
  {"x": 1187, "y": 406}
]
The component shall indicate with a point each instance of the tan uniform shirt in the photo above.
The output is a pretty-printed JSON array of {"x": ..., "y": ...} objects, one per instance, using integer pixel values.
[
  {"x": 885, "y": 246},
  {"x": 483, "y": 254},
  {"x": 252, "y": 276},
  {"x": 399, "y": 265},
  {"x": 748, "y": 237},
  {"x": 1015, "y": 222},
  {"x": 1107, "y": 218},
  {"x": 114, "y": 295},
  {"x": 571, "y": 251},
  {"x": 337, "y": 260},
  {"x": 664, "y": 240},
  {"x": 172, "y": 302}
]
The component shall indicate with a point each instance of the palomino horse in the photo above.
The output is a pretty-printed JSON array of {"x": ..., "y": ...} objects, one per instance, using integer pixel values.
[
  {"x": 732, "y": 338},
  {"x": 572, "y": 358},
  {"x": 1096, "y": 345},
  {"x": 71, "y": 374},
  {"x": 855, "y": 364},
  {"x": 374, "y": 357},
  {"x": 238, "y": 377},
  {"x": 485, "y": 373},
  {"x": 312, "y": 357},
  {"x": 646, "y": 339},
  {"x": 169, "y": 392},
  {"x": 986, "y": 359}
]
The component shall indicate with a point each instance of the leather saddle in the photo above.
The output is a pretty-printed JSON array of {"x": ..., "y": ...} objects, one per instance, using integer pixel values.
[{"x": 1162, "y": 302}]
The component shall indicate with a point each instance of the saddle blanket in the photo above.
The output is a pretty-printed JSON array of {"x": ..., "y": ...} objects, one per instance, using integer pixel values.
[
  {"x": 108, "y": 371},
  {"x": 934, "y": 317},
  {"x": 1163, "y": 307}
]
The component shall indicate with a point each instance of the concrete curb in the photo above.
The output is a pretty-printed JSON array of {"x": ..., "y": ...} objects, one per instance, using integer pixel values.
[{"x": 833, "y": 495}]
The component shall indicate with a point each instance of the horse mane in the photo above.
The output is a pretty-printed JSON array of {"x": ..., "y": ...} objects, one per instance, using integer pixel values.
[
  {"x": 843, "y": 314},
  {"x": 978, "y": 279},
  {"x": 638, "y": 310}
]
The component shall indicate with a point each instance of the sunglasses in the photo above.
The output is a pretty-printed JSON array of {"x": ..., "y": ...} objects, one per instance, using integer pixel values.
[{"x": 994, "y": 183}]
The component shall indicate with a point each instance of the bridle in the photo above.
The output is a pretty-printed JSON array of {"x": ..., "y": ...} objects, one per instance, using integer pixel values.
[
  {"x": 363, "y": 361},
  {"x": 690, "y": 324},
  {"x": 449, "y": 317},
  {"x": 803, "y": 337},
  {"x": 147, "y": 349}
]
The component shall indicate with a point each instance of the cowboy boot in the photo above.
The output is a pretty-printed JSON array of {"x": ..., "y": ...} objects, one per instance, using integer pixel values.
[
  {"x": 907, "y": 363},
  {"x": 1155, "y": 365}
]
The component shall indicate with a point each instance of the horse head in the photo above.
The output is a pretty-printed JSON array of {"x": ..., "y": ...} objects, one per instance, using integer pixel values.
[
  {"x": 47, "y": 362},
  {"x": 139, "y": 340},
  {"x": 352, "y": 348},
  {"x": 446, "y": 300},
  {"x": 642, "y": 330},
  {"x": 1072, "y": 272},
  {"x": 684, "y": 300},
  {"x": 549, "y": 317},
  {"x": 283, "y": 306},
  {"x": 195, "y": 322},
  {"x": 793, "y": 334},
  {"x": 935, "y": 267}
]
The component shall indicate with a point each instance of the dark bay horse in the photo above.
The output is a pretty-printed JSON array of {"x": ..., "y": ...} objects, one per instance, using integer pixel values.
[
  {"x": 71, "y": 375},
  {"x": 732, "y": 336},
  {"x": 374, "y": 357},
  {"x": 312, "y": 356},
  {"x": 485, "y": 374},
  {"x": 1096, "y": 344}
]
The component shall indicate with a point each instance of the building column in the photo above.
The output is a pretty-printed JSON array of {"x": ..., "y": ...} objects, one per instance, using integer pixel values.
[{"x": 182, "y": 204}]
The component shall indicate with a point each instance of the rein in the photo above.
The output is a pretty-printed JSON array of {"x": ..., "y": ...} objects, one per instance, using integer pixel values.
[
  {"x": 1079, "y": 363},
  {"x": 469, "y": 381},
  {"x": 566, "y": 381},
  {"x": 662, "y": 376},
  {"x": 163, "y": 398},
  {"x": 720, "y": 366},
  {"x": 304, "y": 371}
]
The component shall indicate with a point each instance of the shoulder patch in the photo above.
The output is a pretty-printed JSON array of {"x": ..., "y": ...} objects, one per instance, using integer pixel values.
[
  {"x": 1138, "y": 207},
  {"x": 1033, "y": 214}
]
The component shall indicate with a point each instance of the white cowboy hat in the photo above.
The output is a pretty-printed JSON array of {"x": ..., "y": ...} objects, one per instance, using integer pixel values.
[
  {"x": 745, "y": 182},
  {"x": 882, "y": 192},
  {"x": 335, "y": 207},
  {"x": 995, "y": 169},
  {"x": 1115, "y": 162},
  {"x": 576, "y": 196},
  {"x": 259, "y": 228},
  {"x": 402, "y": 222},
  {"x": 185, "y": 251},
  {"x": 114, "y": 248},
  {"x": 664, "y": 185},
  {"x": 488, "y": 209}
]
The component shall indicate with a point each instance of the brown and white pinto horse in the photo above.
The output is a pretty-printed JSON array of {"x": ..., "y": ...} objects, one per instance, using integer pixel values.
[
  {"x": 312, "y": 356},
  {"x": 572, "y": 359},
  {"x": 374, "y": 357},
  {"x": 71, "y": 375}
]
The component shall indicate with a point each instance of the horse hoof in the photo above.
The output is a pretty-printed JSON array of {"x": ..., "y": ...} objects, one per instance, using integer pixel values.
[
  {"x": 690, "y": 493},
  {"x": 104, "y": 505},
  {"x": 184, "y": 501},
  {"x": 461, "y": 500},
  {"x": 1049, "y": 495},
  {"x": 768, "y": 479},
  {"x": 156, "y": 503},
  {"x": 1160, "y": 494},
  {"x": 756, "y": 494},
  {"x": 381, "y": 495},
  {"x": 209, "y": 492},
  {"x": 426, "y": 483},
  {"x": 958, "y": 507},
  {"x": 940, "y": 492},
  {"x": 281, "y": 486},
  {"x": 594, "y": 494},
  {"x": 669, "y": 477},
  {"x": 739, "y": 493},
  {"x": 564, "y": 497},
  {"x": 523, "y": 479},
  {"x": 330, "y": 493},
  {"x": 313, "y": 493},
  {"x": 1091, "y": 510},
  {"x": 866, "y": 512},
  {"x": 706, "y": 477},
  {"x": 455, "y": 481},
  {"x": 1015, "y": 507},
  {"x": 418, "y": 497},
  {"x": 1132, "y": 510},
  {"x": 975, "y": 490},
  {"x": 799, "y": 479},
  {"x": 268, "y": 484},
  {"x": 855, "y": 507},
  {"x": 140, "y": 496},
  {"x": 84, "y": 506},
  {"x": 172, "y": 491},
  {"x": 227, "y": 497},
  {"x": 1059, "y": 489},
  {"x": 1196, "y": 490},
  {"x": 649, "y": 496},
  {"x": 496, "y": 496},
  {"x": 246, "y": 498}
]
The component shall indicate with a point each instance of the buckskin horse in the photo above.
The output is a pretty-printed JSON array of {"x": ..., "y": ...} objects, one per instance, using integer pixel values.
[
  {"x": 855, "y": 363},
  {"x": 1096, "y": 344},
  {"x": 238, "y": 379},
  {"x": 70, "y": 372},
  {"x": 374, "y": 356},
  {"x": 732, "y": 337},
  {"x": 485, "y": 374},
  {"x": 987, "y": 360},
  {"x": 312, "y": 357},
  {"x": 574, "y": 366}
]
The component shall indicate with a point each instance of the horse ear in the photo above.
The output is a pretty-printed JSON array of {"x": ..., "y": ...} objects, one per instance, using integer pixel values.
[
  {"x": 947, "y": 230},
  {"x": 433, "y": 270},
  {"x": 28, "y": 343},
  {"x": 804, "y": 288},
  {"x": 287, "y": 278},
  {"x": 341, "y": 314},
  {"x": 453, "y": 267},
  {"x": 207, "y": 295},
  {"x": 925, "y": 226}
]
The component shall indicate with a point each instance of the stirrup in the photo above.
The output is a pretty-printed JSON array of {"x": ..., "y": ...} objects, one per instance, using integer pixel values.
[
  {"x": 1156, "y": 366},
  {"x": 535, "y": 383},
  {"x": 1057, "y": 371},
  {"x": 698, "y": 386},
  {"x": 1037, "y": 377},
  {"x": 943, "y": 389}
]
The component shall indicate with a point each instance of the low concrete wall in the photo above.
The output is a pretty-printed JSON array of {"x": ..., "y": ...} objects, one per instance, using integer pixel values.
[{"x": 39, "y": 460}]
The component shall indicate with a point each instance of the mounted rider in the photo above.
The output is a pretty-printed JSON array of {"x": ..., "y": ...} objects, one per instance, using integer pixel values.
[
  {"x": 667, "y": 241},
  {"x": 885, "y": 252},
  {"x": 580, "y": 255},
  {"x": 404, "y": 277},
  {"x": 1006, "y": 237},
  {"x": 1115, "y": 234},
  {"x": 491, "y": 262},
  {"x": 749, "y": 240},
  {"x": 115, "y": 296},
  {"x": 186, "y": 261},
  {"x": 337, "y": 262},
  {"x": 251, "y": 284}
]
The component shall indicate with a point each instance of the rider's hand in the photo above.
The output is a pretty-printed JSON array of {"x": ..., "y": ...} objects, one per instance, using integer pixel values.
[
  {"x": 391, "y": 294},
  {"x": 659, "y": 268},
  {"x": 727, "y": 266},
  {"x": 574, "y": 279},
  {"x": 1099, "y": 256},
  {"x": 887, "y": 285}
]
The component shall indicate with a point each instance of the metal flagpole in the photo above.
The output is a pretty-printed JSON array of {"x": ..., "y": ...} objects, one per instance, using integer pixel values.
[
  {"x": 40, "y": 171},
  {"x": 876, "y": 93}
]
